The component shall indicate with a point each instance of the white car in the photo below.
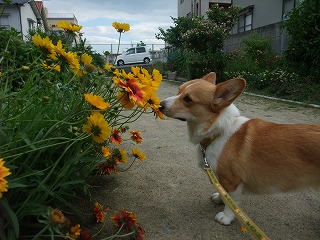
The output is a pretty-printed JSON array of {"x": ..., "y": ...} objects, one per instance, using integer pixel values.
[{"x": 134, "y": 55}]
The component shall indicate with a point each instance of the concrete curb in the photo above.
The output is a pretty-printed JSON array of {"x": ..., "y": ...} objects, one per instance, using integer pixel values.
[{"x": 282, "y": 100}]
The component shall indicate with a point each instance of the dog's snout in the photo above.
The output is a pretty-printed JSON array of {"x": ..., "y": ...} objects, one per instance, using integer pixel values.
[{"x": 162, "y": 106}]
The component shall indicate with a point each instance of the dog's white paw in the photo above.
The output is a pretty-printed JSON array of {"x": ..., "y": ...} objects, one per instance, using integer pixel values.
[
  {"x": 223, "y": 219},
  {"x": 216, "y": 198}
]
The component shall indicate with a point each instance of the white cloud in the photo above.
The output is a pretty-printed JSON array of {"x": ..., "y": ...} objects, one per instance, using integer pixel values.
[{"x": 96, "y": 17}]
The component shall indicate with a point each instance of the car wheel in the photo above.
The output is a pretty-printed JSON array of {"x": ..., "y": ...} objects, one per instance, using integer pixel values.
[
  {"x": 120, "y": 63},
  {"x": 146, "y": 60}
]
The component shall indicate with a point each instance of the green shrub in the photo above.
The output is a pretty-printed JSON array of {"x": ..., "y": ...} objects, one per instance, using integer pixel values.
[{"x": 303, "y": 27}]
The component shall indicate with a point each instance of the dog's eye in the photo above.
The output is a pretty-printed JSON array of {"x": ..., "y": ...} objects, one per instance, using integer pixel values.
[{"x": 187, "y": 99}]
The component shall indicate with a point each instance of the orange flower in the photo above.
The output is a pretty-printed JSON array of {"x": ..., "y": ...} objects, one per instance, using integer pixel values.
[
  {"x": 105, "y": 152},
  {"x": 136, "y": 136},
  {"x": 115, "y": 136},
  {"x": 125, "y": 218},
  {"x": 74, "y": 232},
  {"x": 4, "y": 172}
]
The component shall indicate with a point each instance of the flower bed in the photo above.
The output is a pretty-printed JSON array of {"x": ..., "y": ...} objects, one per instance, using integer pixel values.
[{"x": 62, "y": 120}]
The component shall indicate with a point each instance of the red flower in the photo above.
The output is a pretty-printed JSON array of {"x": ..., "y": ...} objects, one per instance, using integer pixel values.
[
  {"x": 85, "y": 235},
  {"x": 99, "y": 211},
  {"x": 136, "y": 136},
  {"x": 132, "y": 88},
  {"x": 125, "y": 218},
  {"x": 108, "y": 167},
  {"x": 139, "y": 234},
  {"x": 116, "y": 137}
]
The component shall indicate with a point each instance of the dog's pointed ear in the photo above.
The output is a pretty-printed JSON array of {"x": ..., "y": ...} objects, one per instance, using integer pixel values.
[
  {"x": 227, "y": 92},
  {"x": 210, "y": 77}
]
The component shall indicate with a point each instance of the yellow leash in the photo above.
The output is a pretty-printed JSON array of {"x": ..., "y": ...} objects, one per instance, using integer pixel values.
[{"x": 256, "y": 232}]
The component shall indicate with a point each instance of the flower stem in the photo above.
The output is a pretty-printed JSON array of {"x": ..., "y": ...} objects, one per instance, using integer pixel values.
[{"x": 115, "y": 60}]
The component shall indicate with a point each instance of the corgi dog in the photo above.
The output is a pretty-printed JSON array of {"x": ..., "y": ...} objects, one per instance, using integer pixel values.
[{"x": 252, "y": 154}]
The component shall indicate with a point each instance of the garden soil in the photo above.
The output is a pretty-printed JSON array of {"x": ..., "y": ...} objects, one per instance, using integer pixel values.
[{"x": 170, "y": 193}]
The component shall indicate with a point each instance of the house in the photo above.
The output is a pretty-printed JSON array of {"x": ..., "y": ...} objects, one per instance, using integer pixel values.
[
  {"x": 23, "y": 15},
  {"x": 264, "y": 17}
]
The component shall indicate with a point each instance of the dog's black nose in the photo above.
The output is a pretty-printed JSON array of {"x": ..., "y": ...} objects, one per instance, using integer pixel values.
[{"x": 162, "y": 106}]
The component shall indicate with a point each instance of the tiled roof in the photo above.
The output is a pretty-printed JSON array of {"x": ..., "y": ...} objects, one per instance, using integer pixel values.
[
  {"x": 39, "y": 5},
  {"x": 17, "y": 1}
]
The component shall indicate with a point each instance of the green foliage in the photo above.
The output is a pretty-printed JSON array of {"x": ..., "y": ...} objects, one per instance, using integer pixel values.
[
  {"x": 199, "y": 41},
  {"x": 255, "y": 55},
  {"x": 303, "y": 26}
]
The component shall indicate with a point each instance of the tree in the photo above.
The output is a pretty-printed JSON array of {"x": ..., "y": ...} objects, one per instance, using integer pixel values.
[
  {"x": 303, "y": 26},
  {"x": 199, "y": 40}
]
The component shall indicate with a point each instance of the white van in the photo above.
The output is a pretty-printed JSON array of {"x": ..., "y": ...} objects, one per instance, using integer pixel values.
[{"x": 134, "y": 55}]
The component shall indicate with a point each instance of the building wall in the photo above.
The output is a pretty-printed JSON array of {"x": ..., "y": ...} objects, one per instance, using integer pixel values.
[
  {"x": 19, "y": 17},
  {"x": 264, "y": 12},
  {"x": 27, "y": 15},
  {"x": 14, "y": 17},
  {"x": 189, "y": 7},
  {"x": 279, "y": 38}
]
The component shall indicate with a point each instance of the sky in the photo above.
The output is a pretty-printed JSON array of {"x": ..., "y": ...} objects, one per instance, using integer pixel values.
[{"x": 96, "y": 16}]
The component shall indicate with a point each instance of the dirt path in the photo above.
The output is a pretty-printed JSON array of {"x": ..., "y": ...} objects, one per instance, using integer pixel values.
[{"x": 171, "y": 194}]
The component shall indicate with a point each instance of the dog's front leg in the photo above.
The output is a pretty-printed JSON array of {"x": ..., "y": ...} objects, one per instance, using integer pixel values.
[{"x": 227, "y": 216}]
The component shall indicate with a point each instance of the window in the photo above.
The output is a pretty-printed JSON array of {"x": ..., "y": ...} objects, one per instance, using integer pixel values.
[
  {"x": 224, "y": 5},
  {"x": 4, "y": 21},
  {"x": 131, "y": 51},
  {"x": 141, "y": 50},
  {"x": 31, "y": 23},
  {"x": 181, "y": 1},
  {"x": 288, "y": 5},
  {"x": 245, "y": 19}
]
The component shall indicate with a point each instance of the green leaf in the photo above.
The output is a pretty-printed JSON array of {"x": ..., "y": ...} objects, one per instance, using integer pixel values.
[{"x": 10, "y": 215}]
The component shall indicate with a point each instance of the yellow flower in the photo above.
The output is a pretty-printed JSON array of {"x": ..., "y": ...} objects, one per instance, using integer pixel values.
[
  {"x": 4, "y": 172},
  {"x": 52, "y": 66},
  {"x": 86, "y": 58},
  {"x": 72, "y": 27},
  {"x": 97, "y": 127},
  {"x": 108, "y": 67},
  {"x": 43, "y": 42},
  {"x": 138, "y": 154},
  {"x": 121, "y": 27},
  {"x": 71, "y": 57},
  {"x": 123, "y": 154},
  {"x": 74, "y": 232},
  {"x": 96, "y": 101}
]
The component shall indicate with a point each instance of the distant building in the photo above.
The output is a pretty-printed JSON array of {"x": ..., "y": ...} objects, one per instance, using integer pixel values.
[
  {"x": 188, "y": 8},
  {"x": 24, "y": 15},
  {"x": 264, "y": 17},
  {"x": 54, "y": 18}
]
